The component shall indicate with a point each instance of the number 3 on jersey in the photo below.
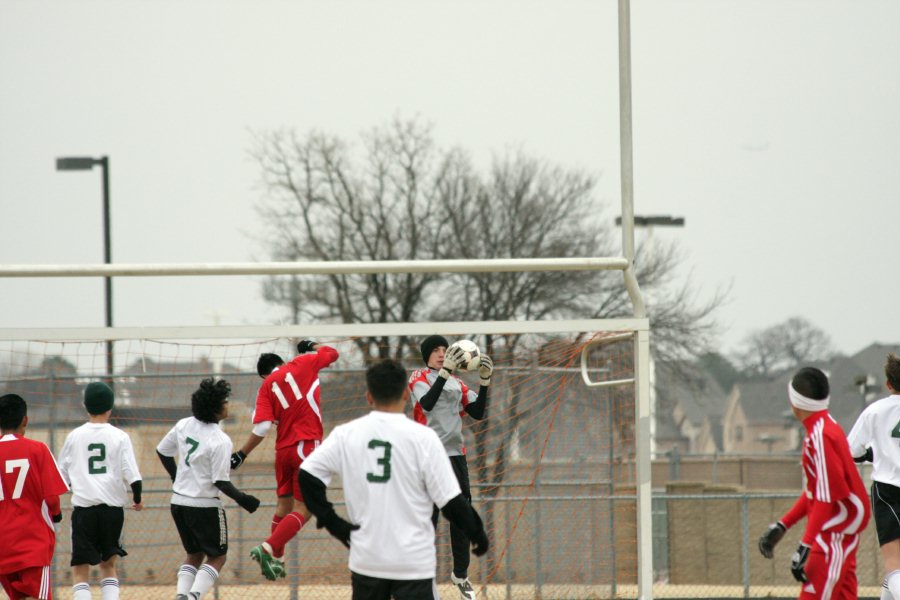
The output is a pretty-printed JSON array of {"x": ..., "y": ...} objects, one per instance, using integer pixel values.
[{"x": 384, "y": 461}]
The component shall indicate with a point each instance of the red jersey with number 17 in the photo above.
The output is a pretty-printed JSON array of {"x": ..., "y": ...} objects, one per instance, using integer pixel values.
[
  {"x": 289, "y": 395},
  {"x": 29, "y": 479}
]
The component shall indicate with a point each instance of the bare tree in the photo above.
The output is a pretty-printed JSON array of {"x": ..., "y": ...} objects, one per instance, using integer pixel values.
[{"x": 771, "y": 351}]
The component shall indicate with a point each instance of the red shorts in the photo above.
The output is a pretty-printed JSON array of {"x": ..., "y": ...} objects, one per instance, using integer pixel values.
[
  {"x": 831, "y": 569},
  {"x": 33, "y": 582},
  {"x": 287, "y": 464}
]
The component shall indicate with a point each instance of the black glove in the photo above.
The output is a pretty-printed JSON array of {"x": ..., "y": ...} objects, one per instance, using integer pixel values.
[
  {"x": 237, "y": 459},
  {"x": 249, "y": 503},
  {"x": 798, "y": 561},
  {"x": 770, "y": 538},
  {"x": 337, "y": 527},
  {"x": 869, "y": 456},
  {"x": 57, "y": 518},
  {"x": 480, "y": 543},
  {"x": 305, "y": 346}
]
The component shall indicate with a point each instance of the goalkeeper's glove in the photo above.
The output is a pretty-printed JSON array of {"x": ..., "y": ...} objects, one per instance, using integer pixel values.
[
  {"x": 248, "y": 503},
  {"x": 337, "y": 527},
  {"x": 486, "y": 370},
  {"x": 237, "y": 459},
  {"x": 798, "y": 562},
  {"x": 452, "y": 359},
  {"x": 305, "y": 346},
  {"x": 770, "y": 538}
]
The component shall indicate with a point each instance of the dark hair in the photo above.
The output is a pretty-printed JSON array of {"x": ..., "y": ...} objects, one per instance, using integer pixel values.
[
  {"x": 811, "y": 383},
  {"x": 386, "y": 381},
  {"x": 208, "y": 400},
  {"x": 12, "y": 410},
  {"x": 267, "y": 363},
  {"x": 892, "y": 371}
]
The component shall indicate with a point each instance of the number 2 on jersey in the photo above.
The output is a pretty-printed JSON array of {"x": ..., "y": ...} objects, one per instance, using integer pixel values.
[
  {"x": 895, "y": 432},
  {"x": 384, "y": 461},
  {"x": 95, "y": 463},
  {"x": 23, "y": 466}
]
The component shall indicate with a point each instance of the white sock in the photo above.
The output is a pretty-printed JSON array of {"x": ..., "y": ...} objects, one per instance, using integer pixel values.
[
  {"x": 206, "y": 578},
  {"x": 109, "y": 588},
  {"x": 893, "y": 583},
  {"x": 81, "y": 591},
  {"x": 885, "y": 592},
  {"x": 186, "y": 575}
]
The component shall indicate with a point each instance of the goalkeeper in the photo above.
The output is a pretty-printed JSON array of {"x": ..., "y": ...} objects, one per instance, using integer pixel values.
[
  {"x": 439, "y": 401},
  {"x": 834, "y": 501}
]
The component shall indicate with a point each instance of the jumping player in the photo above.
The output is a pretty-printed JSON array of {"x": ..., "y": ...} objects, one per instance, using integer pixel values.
[
  {"x": 439, "y": 400},
  {"x": 97, "y": 460},
  {"x": 289, "y": 396},
  {"x": 203, "y": 470},
  {"x": 30, "y": 485},
  {"x": 834, "y": 501},
  {"x": 874, "y": 438},
  {"x": 393, "y": 471}
]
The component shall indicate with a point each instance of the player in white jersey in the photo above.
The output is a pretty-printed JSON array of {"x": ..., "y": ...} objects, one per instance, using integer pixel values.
[
  {"x": 393, "y": 471},
  {"x": 97, "y": 461},
  {"x": 202, "y": 471},
  {"x": 874, "y": 438}
]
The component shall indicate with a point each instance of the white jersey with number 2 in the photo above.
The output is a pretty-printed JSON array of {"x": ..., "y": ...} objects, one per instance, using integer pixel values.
[
  {"x": 879, "y": 427},
  {"x": 393, "y": 471},
  {"x": 97, "y": 461}
]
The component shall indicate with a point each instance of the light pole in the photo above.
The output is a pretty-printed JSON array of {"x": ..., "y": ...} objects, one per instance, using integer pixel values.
[{"x": 87, "y": 163}]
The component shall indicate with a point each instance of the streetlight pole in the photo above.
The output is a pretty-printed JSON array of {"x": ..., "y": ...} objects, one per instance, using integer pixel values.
[{"x": 81, "y": 163}]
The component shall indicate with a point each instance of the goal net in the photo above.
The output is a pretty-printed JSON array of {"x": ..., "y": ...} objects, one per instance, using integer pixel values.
[{"x": 552, "y": 466}]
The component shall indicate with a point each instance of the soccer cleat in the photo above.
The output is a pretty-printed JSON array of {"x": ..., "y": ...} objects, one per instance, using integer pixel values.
[
  {"x": 271, "y": 567},
  {"x": 464, "y": 586}
]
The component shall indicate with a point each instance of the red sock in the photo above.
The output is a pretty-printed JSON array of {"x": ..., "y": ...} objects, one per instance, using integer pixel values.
[
  {"x": 286, "y": 530},
  {"x": 275, "y": 521}
]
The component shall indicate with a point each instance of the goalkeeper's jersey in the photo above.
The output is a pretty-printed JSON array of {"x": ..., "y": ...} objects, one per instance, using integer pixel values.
[
  {"x": 204, "y": 457},
  {"x": 97, "y": 461},
  {"x": 393, "y": 471},
  {"x": 877, "y": 427},
  {"x": 445, "y": 418}
]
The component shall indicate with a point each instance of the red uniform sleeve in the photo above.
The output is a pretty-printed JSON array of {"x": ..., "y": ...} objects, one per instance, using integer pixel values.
[
  {"x": 832, "y": 477},
  {"x": 325, "y": 355},
  {"x": 53, "y": 505},
  {"x": 52, "y": 480},
  {"x": 263, "y": 411},
  {"x": 465, "y": 396},
  {"x": 817, "y": 515},
  {"x": 797, "y": 512}
]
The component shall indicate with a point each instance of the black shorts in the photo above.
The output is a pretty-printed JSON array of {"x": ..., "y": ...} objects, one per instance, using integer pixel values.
[
  {"x": 886, "y": 510},
  {"x": 202, "y": 529},
  {"x": 96, "y": 534},
  {"x": 374, "y": 588}
]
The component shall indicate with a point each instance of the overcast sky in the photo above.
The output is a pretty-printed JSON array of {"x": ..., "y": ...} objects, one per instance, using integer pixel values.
[{"x": 773, "y": 127}]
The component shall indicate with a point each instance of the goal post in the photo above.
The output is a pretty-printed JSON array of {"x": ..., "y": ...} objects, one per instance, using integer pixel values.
[{"x": 562, "y": 450}]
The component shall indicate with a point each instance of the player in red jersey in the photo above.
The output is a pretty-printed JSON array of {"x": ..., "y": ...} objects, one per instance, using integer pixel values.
[
  {"x": 834, "y": 502},
  {"x": 30, "y": 485},
  {"x": 288, "y": 396}
]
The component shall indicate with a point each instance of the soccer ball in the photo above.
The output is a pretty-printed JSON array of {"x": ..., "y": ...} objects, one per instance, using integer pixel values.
[{"x": 471, "y": 354}]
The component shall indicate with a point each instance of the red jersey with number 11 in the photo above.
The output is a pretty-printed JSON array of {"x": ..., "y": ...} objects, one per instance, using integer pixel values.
[
  {"x": 290, "y": 396},
  {"x": 29, "y": 479}
]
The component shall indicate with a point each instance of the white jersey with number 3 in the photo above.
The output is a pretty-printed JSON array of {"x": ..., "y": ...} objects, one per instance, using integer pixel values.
[
  {"x": 879, "y": 427},
  {"x": 97, "y": 461},
  {"x": 393, "y": 471},
  {"x": 204, "y": 457}
]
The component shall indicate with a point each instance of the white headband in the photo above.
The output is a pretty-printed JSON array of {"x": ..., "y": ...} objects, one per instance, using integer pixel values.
[{"x": 800, "y": 401}]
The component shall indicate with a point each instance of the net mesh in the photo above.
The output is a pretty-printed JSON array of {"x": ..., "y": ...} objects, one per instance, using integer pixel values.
[{"x": 551, "y": 467}]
